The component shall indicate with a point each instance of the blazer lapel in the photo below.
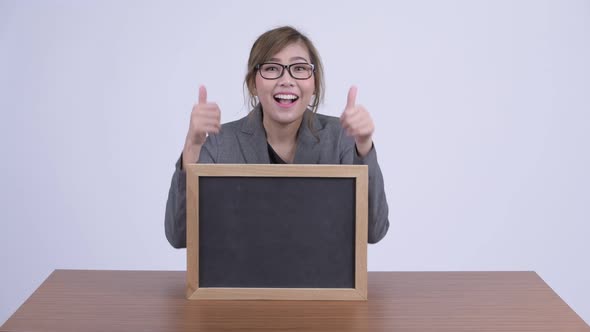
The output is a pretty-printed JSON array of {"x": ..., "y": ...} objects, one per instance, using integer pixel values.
[
  {"x": 252, "y": 138},
  {"x": 308, "y": 147}
]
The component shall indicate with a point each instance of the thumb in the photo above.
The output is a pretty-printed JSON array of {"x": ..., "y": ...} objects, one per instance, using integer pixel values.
[
  {"x": 202, "y": 95},
  {"x": 351, "y": 100}
]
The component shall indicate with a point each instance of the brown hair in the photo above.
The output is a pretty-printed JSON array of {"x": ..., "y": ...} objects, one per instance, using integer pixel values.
[{"x": 272, "y": 42}]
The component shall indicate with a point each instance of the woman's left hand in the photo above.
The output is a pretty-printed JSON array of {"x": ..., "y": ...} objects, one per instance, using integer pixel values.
[{"x": 357, "y": 122}]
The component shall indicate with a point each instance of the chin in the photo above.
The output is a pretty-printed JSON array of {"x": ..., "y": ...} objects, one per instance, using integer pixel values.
[
  {"x": 286, "y": 119},
  {"x": 284, "y": 116}
]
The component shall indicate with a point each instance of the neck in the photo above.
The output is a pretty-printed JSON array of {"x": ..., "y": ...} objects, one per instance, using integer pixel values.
[
  {"x": 279, "y": 134},
  {"x": 282, "y": 138}
]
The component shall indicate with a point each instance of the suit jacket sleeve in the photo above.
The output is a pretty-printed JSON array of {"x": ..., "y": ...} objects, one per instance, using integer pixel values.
[
  {"x": 378, "y": 223},
  {"x": 175, "y": 219}
]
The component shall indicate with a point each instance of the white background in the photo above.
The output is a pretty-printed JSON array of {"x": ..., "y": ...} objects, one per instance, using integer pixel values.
[{"x": 482, "y": 111}]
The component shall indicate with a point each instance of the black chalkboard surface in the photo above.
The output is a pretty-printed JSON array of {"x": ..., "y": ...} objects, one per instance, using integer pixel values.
[{"x": 276, "y": 232}]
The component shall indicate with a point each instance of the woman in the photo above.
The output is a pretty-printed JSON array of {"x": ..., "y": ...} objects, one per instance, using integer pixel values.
[{"x": 286, "y": 85}]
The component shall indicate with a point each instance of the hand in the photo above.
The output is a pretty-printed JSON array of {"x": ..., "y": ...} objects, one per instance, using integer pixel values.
[
  {"x": 357, "y": 122},
  {"x": 205, "y": 119}
]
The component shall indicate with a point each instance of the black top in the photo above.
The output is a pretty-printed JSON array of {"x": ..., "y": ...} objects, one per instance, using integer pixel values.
[{"x": 274, "y": 157}]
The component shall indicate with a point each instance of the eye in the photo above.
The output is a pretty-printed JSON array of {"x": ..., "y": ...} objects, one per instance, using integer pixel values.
[
  {"x": 270, "y": 68},
  {"x": 300, "y": 68}
]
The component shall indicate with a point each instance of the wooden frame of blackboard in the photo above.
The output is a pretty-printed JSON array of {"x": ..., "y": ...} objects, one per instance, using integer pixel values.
[{"x": 359, "y": 173}]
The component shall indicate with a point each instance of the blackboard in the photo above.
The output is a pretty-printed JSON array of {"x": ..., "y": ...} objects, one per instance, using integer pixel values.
[{"x": 276, "y": 232}]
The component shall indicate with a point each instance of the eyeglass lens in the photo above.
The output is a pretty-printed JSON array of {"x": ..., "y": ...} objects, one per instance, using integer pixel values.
[{"x": 275, "y": 70}]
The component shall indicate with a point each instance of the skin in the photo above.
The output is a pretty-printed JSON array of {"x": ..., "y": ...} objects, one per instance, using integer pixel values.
[
  {"x": 281, "y": 122},
  {"x": 205, "y": 118},
  {"x": 358, "y": 123}
]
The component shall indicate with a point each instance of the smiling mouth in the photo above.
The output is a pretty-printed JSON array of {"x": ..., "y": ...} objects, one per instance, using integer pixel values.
[{"x": 285, "y": 99}]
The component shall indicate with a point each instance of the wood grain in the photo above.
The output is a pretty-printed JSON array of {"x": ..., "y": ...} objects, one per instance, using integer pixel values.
[
  {"x": 361, "y": 231},
  {"x": 74, "y": 300},
  {"x": 270, "y": 170}
]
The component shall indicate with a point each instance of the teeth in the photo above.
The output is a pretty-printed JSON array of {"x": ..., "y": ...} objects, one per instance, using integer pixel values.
[{"x": 281, "y": 96}]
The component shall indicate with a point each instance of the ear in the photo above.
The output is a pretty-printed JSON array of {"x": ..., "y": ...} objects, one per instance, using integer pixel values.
[{"x": 254, "y": 92}]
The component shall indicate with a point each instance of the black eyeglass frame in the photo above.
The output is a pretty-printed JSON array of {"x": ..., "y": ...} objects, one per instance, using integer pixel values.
[{"x": 288, "y": 67}]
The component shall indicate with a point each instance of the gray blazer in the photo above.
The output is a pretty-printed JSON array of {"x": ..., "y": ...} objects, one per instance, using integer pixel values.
[{"x": 244, "y": 142}]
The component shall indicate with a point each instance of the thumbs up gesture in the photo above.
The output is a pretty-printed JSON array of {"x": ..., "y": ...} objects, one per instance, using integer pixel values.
[
  {"x": 205, "y": 119},
  {"x": 357, "y": 122}
]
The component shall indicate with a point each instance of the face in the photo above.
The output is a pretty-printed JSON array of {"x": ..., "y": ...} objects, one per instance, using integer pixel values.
[{"x": 284, "y": 100}]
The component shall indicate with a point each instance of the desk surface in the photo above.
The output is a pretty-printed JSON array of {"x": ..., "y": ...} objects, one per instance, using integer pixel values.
[{"x": 72, "y": 300}]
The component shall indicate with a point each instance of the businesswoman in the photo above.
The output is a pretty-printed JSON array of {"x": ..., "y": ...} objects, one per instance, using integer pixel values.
[{"x": 285, "y": 82}]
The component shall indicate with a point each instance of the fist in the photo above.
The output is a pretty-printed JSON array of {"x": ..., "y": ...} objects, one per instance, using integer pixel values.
[
  {"x": 205, "y": 119},
  {"x": 357, "y": 122}
]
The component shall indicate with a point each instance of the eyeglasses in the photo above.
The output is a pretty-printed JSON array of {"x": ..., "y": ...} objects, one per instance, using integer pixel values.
[{"x": 273, "y": 71}]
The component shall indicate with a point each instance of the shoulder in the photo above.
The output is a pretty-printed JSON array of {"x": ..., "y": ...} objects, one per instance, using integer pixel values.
[
  {"x": 233, "y": 127},
  {"x": 227, "y": 132},
  {"x": 236, "y": 124},
  {"x": 224, "y": 145},
  {"x": 249, "y": 124},
  {"x": 328, "y": 132},
  {"x": 231, "y": 131},
  {"x": 328, "y": 125},
  {"x": 327, "y": 121}
]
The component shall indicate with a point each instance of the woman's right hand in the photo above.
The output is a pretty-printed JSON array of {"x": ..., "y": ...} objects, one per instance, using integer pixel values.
[{"x": 205, "y": 119}]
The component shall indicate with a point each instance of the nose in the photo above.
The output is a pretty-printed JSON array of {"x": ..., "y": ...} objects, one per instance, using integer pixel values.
[{"x": 286, "y": 80}]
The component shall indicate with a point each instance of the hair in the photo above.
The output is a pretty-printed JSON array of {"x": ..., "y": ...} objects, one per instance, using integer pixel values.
[{"x": 272, "y": 42}]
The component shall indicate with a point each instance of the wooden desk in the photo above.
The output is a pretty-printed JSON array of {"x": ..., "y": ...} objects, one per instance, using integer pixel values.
[{"x": 71, "y": 300}]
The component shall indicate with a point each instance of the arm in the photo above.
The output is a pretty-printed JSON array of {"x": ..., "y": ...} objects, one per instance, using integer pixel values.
[
  {"x": 356, "y": 122},
  {"x": 175, "y": 219},
  {"x": 378, "y": 222},
  {"x": 205, "y": 118}
]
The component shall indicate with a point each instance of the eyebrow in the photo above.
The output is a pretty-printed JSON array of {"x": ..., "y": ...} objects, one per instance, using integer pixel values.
[{"x": 292, "y": 59}]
